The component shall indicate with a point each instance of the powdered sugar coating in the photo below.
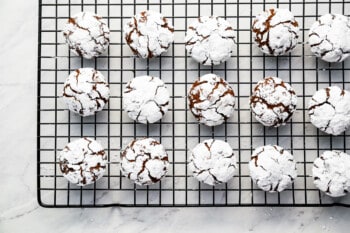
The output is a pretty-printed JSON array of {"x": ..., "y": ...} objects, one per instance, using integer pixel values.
[
  {"x": 331, "y": 172},
  {"x": 329, "y": 37},
  {"x": 212, "y": 162},
  {"x": 144, "y": 161},
  {"x": 85, "y": 91},
  {"x": 149, "y": 34},
  {"x": 329, "y": 110},
  {"x": 276, "y": 31},
  {"x": 82, "y": 161},
  {"x": 272, "y": 168},
  {"x": 87, "y": 34},
  {"x": 146, "y": 99},
  {"x": 210, "y": 40},
  {"x": 273, "y": 101},
  {"x": 211, "y": 100}
]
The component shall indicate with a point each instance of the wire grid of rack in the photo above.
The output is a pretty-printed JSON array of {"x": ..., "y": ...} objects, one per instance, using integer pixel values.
[{"x": 178, "y": 130}]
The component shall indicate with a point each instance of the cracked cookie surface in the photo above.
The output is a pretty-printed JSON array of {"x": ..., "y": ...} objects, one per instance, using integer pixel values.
[
  {"x": 329, "y": 110},
  {"x": 212, "y": 162},
  {"x": 146, "y": 99},
  {"x": 329, "y": 37},
  {"x": 87, "y": 34},
  {"x": 210, "y": 40},
  {"x": 85, "y": 91},
  {"x": 144, "y": 161},
  {"x": 149, "y": 34},
  {"x": 272, "y": 168},
  {"x": 273, "y": 101},
  {"x": 82, "y": 161},
  {"x": 276, "y": 31},
  {"x": 331, "y": 173},
  {"x": 211, "y": 100}
]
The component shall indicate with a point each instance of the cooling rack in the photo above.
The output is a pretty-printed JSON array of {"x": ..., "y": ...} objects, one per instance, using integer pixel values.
[{"x": 178, "y": 130}]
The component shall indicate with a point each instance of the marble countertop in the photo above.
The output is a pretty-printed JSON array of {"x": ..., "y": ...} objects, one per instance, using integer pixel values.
[{"x": 19, "y": 210}]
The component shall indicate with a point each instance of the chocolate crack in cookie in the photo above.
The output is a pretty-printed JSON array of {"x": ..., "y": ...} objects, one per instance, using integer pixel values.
[
  {"x": 329, "y": 37},
  {"x": 144, "y": 161},
  {"x": 87, "y": 34},
  {"x": 149, "y": 34}
]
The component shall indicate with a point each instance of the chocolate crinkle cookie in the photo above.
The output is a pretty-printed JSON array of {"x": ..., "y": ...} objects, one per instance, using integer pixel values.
[
  {"x": 210, "y": 40},
  {"x": 149, "y": 34},
  {"x": 331, "y": 172},
  {"x": 87, "y": 34},
  {"x": 329, "y": 37},
  {"x": 146, "y": 99},
  {"x": 211, "y": 100},
  {"x": 329, "y": 110},
  {"x": 85, "y": 91},
  {"x": 273, "y": 101},
  {"x": 276, "y": 31},
  {"x": 213, "y": 162},
  {"x": 272, "y": 168},
  {"x": 82, "y": 161},
  {"x": 144, "y": 161}
]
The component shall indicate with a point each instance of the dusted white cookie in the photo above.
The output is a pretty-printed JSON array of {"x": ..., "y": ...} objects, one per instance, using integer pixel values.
[
  {"x": 329, "y": 110},
  {"x": 87, "y": 34},
  {"x": 331, "y": 172},
  {"x": 144, "y": 161},
  {"x": 212, "y": 162},
  {"x": 149, "y": 34},
  {"x": 329, "y": 37},
  {"x": 276, "y": 31},
  {"x": 82, "y": 161},
  {"x": 85, "y": 91},
  {"x": 210, "y": 40},
  {"x": 272, "y": 168},
  {"x": 273, "y": 101},
  {"x": 146, "y": 99},
  {"x": 211, "y": 100}
]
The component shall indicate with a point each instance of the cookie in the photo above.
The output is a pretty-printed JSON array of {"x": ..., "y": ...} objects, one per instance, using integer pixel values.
[
  {"x": 273, "y": 102},
  {"x": 272, "y": 168},
  {"x": 144, "y": 161},
  {"x": 85, "y": 91},
  {"x": 276, "y": 31},
  {"x": 329, "y": 37},
  {"x": 82, "y": 161},
  {"x": 146, "y": 99},
  {"x": 211, "y": 100},
  {"x": 149, "y": 34},
  {"x": 331, "y": 172},
  {"x": 212, "y": 162},
  {"x": 87, "y": 34},
  {"x": 329, "y": 110},
  {"x": 210, "y": 40}
]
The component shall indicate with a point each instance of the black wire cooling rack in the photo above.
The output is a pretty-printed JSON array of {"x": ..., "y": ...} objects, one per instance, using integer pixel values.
[{"x": 178, "y": 130}]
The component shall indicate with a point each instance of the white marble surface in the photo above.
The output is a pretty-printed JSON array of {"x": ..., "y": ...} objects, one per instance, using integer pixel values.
[{"x": 19, "y": 211}]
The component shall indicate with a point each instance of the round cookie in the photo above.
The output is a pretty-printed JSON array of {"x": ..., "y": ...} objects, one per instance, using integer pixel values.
[
  {"x": 329, "y": 110},
  {"x": 211, "y": 100},
  {"x": 148, "y": 34},
  {"x": 272, "y": 168},
  {"x": 144, "y": 161},
  {"x": 87, "y": 34},
  {"x": 82, "y": 161},
  {"x": 212, "y": 162},
  {"x": 85, "y": 91},
  {"x": 329, "y": 37},
  {"x": 146, "y": 99},
  {"x": 331, "y": 172},
  {"x": 273, "y": 101},
  {"x": 276, "y": 31},
  {"x": 210, "y": 40}
]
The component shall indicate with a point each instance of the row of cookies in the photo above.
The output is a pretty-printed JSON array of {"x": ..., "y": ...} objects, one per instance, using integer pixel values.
[{"x": 209, "y": 39}]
